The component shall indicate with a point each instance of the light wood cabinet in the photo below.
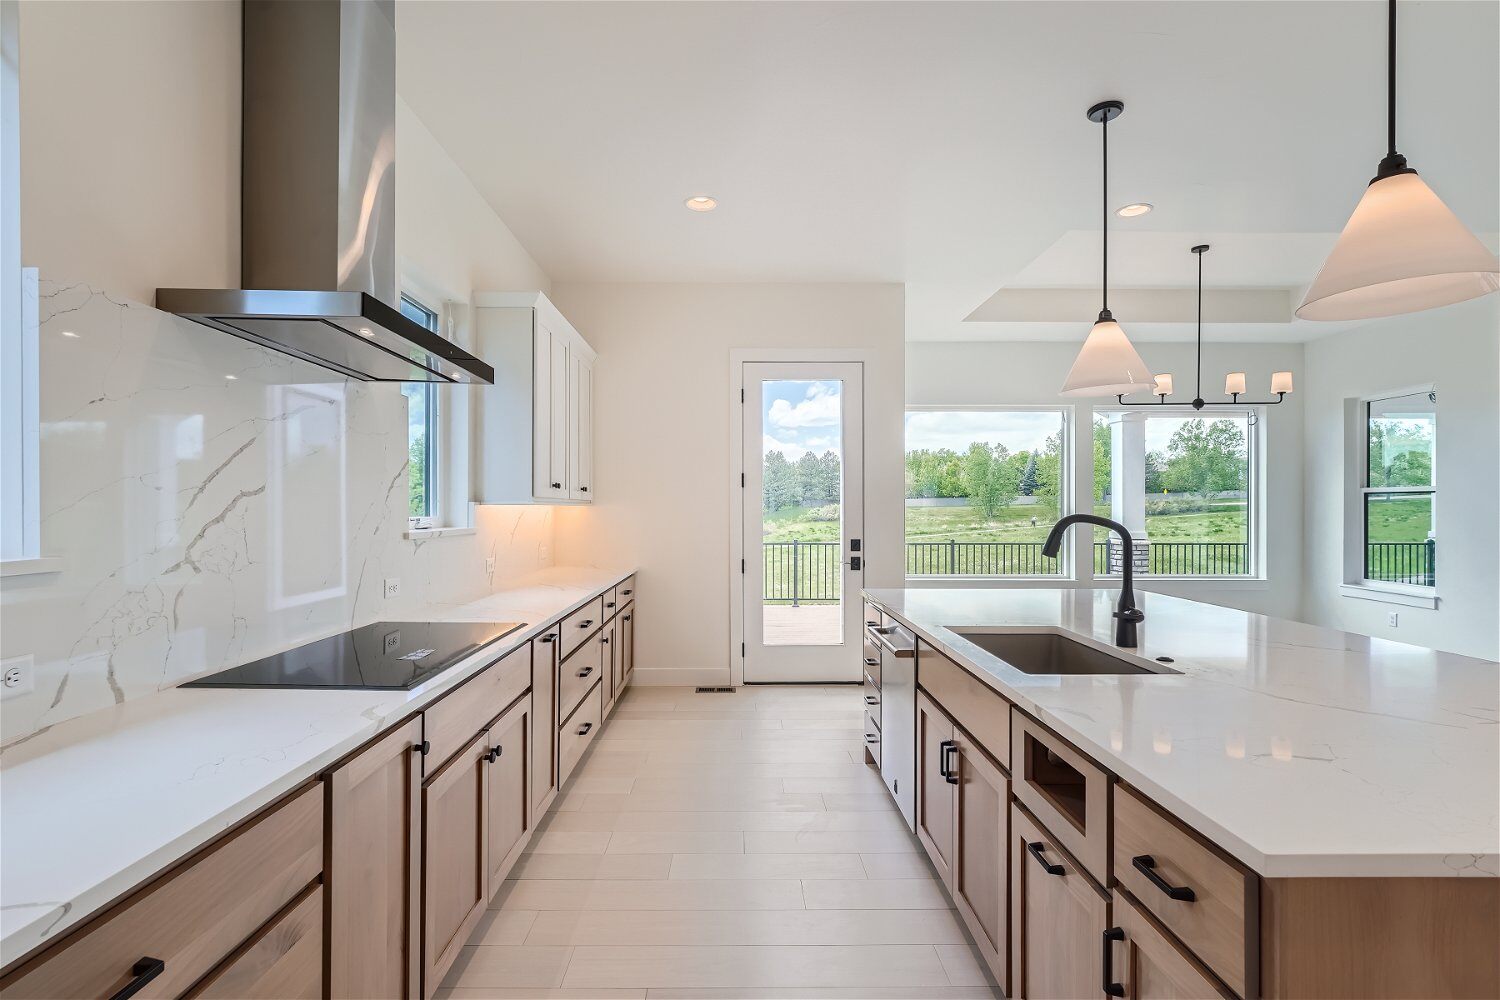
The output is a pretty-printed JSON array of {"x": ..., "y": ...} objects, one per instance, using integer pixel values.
[
  {"x": 935, "y": 749},
  {"x": 374, "y": 869},
  {"x": 533, "y": 437},
  {"x": 510, "y": 816},
  {"x": 609, "y": 661},
  {"x": 455, "y": 839},
  {"x": 981, "y": 865},
  {"x": 1148, "y": 965},
  {"x": 1058, "y": 918},
  {"x": 284, "y": 961},
  {"x": 543, "y": 716},
  {"x": 626, "y": 641}
]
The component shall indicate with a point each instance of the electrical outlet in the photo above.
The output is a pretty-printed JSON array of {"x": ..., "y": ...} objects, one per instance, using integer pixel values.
[
  {"x": 392, "y": 587},
  {"x": 1393, "y": 620},
  {"x": 489, "y": 566},
  {"x": 19, "y": 676},
  {"x": 393, "y": 640}
]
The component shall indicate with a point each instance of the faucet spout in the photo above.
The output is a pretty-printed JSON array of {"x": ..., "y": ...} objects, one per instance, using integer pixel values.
[{"x": 1127, "y": 615}]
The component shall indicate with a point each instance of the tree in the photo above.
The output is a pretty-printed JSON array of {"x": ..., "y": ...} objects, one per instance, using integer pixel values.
[
  {"x": 779, "y": 483},
  {"x": 1029, "y": 481},
  {"x": 1049, "y": 471},
  {"x": 809, "y": 471},
  {"x": 1205, "y": 458},
  {"x": 992, "y": 480},
  {"x": 1101, "y": 460},
  {"x": 1154, "y": 463},
  {"x": 830, "y": 477},
  {"x": 416, "y": 476}
]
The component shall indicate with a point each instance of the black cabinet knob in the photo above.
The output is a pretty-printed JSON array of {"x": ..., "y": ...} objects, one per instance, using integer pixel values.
[
  {"x": 583, "y": 489},
  {"x": 422, "y": 747},
  {"x": 557, "y": 486},
  {"x": 491, "y": 755}
]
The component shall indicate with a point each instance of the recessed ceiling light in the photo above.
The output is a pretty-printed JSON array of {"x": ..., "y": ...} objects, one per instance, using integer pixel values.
[
  {"x": 232, "y": 378},
  {"x": 702, "y": 203},
  {"x": 69, "y": 333},
  {"x": 1131, "y": 211},
  {"x": 365, "y": 331}
]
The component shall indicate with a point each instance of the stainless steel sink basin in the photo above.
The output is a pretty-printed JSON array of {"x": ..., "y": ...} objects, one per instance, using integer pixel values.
[{"x": 1048, "y": 653}]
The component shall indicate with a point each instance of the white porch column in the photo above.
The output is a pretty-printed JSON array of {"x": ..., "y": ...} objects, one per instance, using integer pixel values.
[{"x": 1127, "y": 487}]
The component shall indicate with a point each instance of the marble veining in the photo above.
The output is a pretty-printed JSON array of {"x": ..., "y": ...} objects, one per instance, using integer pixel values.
[
  {"x": 1302, "y": 751},
  {"x": 213, "y": 502},
  {"x": 99, "y": 803}
]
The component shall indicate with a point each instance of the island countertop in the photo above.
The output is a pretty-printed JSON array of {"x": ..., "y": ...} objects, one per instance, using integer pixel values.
[
  {"x": 94, "y": 806},
  {"x": 1302, "y": 751}
]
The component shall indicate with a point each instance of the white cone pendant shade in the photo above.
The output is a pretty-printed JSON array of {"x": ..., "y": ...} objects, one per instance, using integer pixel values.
[
  {"x": 1402, "y": 250},
  {"x": 1108, "y": 365}
]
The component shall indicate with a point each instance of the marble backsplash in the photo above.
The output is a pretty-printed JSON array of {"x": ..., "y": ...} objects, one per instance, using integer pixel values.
[{"x": 212, "y": 502}]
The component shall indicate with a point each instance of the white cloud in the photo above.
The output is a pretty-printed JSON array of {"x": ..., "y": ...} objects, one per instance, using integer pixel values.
[
  {"x": 791, "y": 449},
  {"x": 820, "y": 408},
  {"x": 1018, "y": 430}
]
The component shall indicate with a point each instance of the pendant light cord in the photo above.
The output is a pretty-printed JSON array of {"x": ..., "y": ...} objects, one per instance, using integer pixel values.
[
  {"x": 1104, "y": 215},
  {"x": 1390, "y": 66},
  {"x": 1198, "y": 379}
]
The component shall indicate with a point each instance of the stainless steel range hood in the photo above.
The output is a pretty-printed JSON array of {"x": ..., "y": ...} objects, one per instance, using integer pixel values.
[{"x": 318, "y": 200}]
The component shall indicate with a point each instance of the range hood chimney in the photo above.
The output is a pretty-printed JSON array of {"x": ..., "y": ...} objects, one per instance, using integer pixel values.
[{"x": 318, "y": 200}]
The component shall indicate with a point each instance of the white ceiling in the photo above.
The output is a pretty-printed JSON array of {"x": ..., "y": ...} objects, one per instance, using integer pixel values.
[{"x": 945, "y": 145}]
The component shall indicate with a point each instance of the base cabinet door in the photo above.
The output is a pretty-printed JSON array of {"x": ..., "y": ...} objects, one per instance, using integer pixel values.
[
  {"x": 282, "y": 962},
  {"x": 627, "y": 644},
  {"x": 610, "y": 660},
  {"x": 1059, "y": 918},
  {"x": 374, "y": 870},
  {"x": 543, "y": 753},
  {"x": 935, "y": 752},
  {"x": 455, "y": 837},
  {"x": 510, "y": 815},
  {"x": 1146, "y": 964},
  {"x": 980, "y": 860}
]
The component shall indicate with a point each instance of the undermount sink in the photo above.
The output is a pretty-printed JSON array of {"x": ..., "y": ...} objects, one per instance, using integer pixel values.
[{"x": 1049, "y": 653}]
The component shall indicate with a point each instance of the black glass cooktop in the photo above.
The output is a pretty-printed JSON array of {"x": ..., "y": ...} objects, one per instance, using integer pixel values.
[{"x": 383, "y": 656}]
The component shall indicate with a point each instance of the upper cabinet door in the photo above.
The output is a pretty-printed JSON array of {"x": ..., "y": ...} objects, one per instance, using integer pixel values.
[
  {"x": 581, "y": 429},
  {"x": 556, "y": 419}
]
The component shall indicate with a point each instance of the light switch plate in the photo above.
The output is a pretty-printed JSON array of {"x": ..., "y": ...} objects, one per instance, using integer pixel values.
[
  {"x": 392, "y": 587},
  {"x": 1393, "y": 619},
  {"x": 489, "y": 566}
]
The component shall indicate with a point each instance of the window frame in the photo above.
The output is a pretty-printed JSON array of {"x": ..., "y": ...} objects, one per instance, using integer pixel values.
[
  {"x": 433, "y": 422},
  {"x": 1255, "y": 493},
  {"x": 1068, "y": 562},
  {"x": 1357, "y": 539}
]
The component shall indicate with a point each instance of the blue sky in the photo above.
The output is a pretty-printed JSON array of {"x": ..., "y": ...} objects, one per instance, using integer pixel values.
[{"x": 802, "y": 416}]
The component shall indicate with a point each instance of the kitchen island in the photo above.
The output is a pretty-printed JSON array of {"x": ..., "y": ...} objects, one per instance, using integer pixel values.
[{"x": 1328, "y": 799}]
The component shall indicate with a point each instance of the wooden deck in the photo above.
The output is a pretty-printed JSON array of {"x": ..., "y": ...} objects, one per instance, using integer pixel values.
[{"x": 805, "y": 625}]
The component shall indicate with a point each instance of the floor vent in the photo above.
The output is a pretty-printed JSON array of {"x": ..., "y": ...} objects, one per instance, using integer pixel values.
[{"x": 713, "y": 690}]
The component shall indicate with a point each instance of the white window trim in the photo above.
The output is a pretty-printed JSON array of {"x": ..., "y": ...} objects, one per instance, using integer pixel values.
[
  {"x": 448, "y": 483},
  {"x": 1255, "y": 490},
  {"x": 1357, "y": 443},
  {"x": 1076, "y": 558}
]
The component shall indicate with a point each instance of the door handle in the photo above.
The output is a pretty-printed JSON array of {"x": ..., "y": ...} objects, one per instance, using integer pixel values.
[
  {"x": 1146, "y": 865},
  {"x": 943, "y": 757},
  {"x": 1035, "y": 850},
  {"x": 1109, "y": 986},
  {"x": 143, "y": 971},
  {"x": 855, "y": 563}
]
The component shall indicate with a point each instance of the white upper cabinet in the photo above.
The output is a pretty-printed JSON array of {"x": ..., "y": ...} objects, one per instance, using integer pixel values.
[{"x": 533, "y": 429}]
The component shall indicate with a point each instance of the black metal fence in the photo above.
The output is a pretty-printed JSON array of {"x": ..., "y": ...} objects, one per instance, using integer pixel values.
[
  {"x": 1402, "y": 562},
  {"x": 798, "y": 573}
]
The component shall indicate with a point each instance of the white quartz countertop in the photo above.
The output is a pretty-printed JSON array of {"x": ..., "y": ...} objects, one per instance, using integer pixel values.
[
  {"x": 96, "y": 805},
  {"x": 1302, "y": 751}
]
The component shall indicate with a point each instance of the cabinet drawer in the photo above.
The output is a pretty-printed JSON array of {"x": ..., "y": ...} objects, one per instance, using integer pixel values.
[
  {"x": 192, "y": 917},
  {"x": 283, "y": 961},
  {"x": 1156, "y": 859},
  {"x": 451, "y": 721},
  {"x": 612, "y": 602},
  {"x": 871, "y": 656},
  {"x": 1064, "y": 789},
  {"x": 1147, "y": 963},
  {"x": 979, "y": 710},
  {"x": 580, "y": 672},
  {"x": 581, "y": 624},
  {"x": 625, "y": 592},
  {"x": 872, "y": 737},
  {"x": 872, "y": 698},
  {"x": 580, "y": 729}
]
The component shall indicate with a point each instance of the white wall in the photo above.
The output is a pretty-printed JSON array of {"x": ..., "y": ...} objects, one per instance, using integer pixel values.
[
  {"x": 202, "y": 521},
  {"x": 1458, "y": 350},
  {"x": 662, "y": 391},
  {"x": 1029, "y": 373}
]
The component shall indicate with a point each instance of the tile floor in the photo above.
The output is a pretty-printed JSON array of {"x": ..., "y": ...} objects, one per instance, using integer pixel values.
[{"x": 723, "y": 846}]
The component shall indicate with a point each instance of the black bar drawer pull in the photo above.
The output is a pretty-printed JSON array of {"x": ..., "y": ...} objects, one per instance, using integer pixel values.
[
  {"x": 871, "y": 738},
  {"x": 586, "y": 623},
  {"x": 943, "y": 749},
  {"x": 1035, "y": 850},
  {"x": 870, "y": 699},
  {"x": 549, "y": 637},
  {"x": 585, "y": 671},
  {"x": 952, "y": 772},
  {"x": 627, "y": 593},
  {"x": 1111, "y": 988},
  {"x": 609, "y": 604},
  {"x": 144, "y": 971},
  {"x": 872, "y": 661},
  {"x": 585, "y": 730},
  {"x": 1146, "y": 865}
]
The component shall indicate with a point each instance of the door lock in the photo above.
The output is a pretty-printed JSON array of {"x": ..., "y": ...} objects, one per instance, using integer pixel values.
[{"x": 854, "y": 563}]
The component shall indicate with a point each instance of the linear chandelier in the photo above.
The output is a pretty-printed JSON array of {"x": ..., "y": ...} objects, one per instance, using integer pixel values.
[{"x": 1234, "y": 382}]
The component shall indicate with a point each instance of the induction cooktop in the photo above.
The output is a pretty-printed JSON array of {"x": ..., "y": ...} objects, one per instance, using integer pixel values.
[{"x": 394, "y": 656}]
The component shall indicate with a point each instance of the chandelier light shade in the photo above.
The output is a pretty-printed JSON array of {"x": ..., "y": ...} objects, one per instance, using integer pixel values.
[
  {"x": 1281, "y": 382},
  {"x": 1402, "y": 250},
  {"x": 1108, "y": 364},
  {"x": 1163, "y": 386}
]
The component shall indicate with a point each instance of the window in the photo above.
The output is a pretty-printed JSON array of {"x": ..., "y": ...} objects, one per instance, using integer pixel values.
[
  {"x": 1182, "y": 483},
  {"x": 983, "y": 488},
  {"x": 1398, "y": 490},
  {"x": 421, "y": 430}
]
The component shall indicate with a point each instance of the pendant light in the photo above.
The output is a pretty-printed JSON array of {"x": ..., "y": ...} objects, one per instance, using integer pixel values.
[
  {"x": 1234, "y": 382},
  {"x": 1107, "y": 365},
  {"x": 1402, "y": 250}
]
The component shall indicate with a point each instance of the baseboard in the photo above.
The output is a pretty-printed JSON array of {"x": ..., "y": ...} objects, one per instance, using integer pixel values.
[{"x": 681, "y": 676}]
